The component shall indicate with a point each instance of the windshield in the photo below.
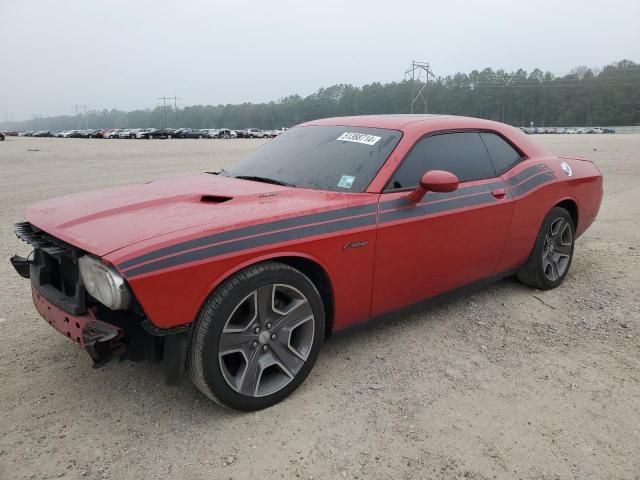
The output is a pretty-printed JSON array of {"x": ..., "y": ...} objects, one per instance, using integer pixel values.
[{"x": 334, "y": 158}]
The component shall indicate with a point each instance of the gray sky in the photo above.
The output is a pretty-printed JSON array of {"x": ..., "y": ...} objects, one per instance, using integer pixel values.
[{"x": 124, "y": 54}]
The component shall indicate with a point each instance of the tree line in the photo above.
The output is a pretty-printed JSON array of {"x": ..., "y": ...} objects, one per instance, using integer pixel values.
[{"x": 605, "y": 96}]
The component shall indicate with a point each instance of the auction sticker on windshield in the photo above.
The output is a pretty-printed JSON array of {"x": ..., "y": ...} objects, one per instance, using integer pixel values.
[{"x": 358, "y": 138}]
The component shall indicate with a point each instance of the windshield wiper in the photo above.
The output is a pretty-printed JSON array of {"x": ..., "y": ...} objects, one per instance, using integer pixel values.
[
  {"x": 265, "y": 180},
  {"x": 222, "y": 172}
]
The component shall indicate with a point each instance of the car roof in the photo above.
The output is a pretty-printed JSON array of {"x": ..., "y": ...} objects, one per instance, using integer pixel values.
[
  {"x": 427, "y": 123},
  {"x": 400, "y": 121}
]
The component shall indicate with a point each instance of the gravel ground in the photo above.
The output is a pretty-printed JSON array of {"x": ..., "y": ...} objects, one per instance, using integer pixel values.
[{"x": 507, "y": 383}]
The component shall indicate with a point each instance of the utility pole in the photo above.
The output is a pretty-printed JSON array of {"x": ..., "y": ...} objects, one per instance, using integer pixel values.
[
  {"x": 164, "y": 108},
  {"x": 175, "y": 107},
  {"x": 414, "y": 73}
]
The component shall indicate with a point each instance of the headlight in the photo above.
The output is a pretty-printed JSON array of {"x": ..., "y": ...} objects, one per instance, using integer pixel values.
[{"x": 103, "y": 283}]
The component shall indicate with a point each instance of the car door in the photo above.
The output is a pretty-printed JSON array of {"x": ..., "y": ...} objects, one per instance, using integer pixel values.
[
  {"x": 526, "y": 180},
  {"x": 448, "y": 239}
]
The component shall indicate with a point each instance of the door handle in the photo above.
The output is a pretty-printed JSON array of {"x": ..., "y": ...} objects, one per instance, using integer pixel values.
[{"x": 498, "y": 192}]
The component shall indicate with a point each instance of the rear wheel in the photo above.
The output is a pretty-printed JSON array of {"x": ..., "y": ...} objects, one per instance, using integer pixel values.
[
  {"x": 552, "y": 253},
  {"x": 257, "y": 337}
]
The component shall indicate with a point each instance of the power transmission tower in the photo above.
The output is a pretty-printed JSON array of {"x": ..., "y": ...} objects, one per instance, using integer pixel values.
[
  {"x": 77, "y": 107},
  {"x": 164, "y": 108},
  {"x": 415, "y": 74},
  {"x": 35, "y": 117}
]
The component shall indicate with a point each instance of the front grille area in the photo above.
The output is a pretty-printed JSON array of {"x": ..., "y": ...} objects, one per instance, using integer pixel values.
[
  {"x": 38, "y": 239},
  {"x": 54, "y": 269}
]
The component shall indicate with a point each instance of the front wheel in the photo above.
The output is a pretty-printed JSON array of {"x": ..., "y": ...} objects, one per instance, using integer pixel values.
[
  {"x": 552, "y": 253},
  {"x": 257, "y": 337}
]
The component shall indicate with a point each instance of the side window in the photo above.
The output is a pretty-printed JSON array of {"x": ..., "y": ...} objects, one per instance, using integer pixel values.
[
  {"x": 463, "y": 154},
  {"x": 504, "y": 156}
]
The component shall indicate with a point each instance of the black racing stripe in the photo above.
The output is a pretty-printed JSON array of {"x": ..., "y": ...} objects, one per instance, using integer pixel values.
[
  {"x": 253, "y": 242},
  {"x": 431, "y": 208},
  {"x": 521, "y": 183},
  {"x": 250, "y": 230},
  {"x": 525, "y": 174},
  {"x": 436, "y": 197},
  {"x": 532, "y": 183}
]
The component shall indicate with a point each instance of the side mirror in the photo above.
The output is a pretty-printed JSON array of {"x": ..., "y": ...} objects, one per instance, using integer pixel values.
[{"x": 434, "y": 181}]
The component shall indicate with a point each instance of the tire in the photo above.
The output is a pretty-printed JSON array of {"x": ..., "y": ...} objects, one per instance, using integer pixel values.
[
  {"x": 257, "y": 337},
  {"x": 552, "y": 253}
]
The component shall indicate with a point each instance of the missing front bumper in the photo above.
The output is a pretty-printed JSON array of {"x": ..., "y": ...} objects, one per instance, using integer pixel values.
[{"x": 102, "y": 340}]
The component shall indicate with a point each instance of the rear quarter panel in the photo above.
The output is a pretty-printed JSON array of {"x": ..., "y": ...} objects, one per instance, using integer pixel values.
[{"x": 584, "y": 187}]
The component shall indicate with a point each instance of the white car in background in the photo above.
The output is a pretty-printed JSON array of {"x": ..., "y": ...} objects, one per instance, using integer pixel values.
[
  {"x": 254, "y": 133},
  {"x": 273, "y": 133},
  {"x": 126, "y": 134},
  {"x": 143, "y": 132}
]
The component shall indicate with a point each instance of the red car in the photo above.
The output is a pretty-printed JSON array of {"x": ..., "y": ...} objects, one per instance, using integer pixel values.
[{"x": 239, "y": 275}]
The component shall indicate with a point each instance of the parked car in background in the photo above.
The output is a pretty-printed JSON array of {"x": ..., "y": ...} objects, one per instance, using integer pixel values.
[
  {"x": 111, "y": 133},
  {"x": 144, "y": 132},
  {"x": 254, "y": 133},
  {"x": 179, "y": 132},
  {"x": 160, "y": 133},
  {"x": 191, "y": 133},
  {"x": 96, "y": 133},
  {"x": 226, "y": 133},
  {"x": 127, "y": 134}
]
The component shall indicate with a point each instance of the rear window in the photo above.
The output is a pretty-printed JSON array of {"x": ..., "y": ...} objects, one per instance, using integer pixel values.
[
  {"x": 503, "y": 155},
  {"x": 322, "y": 157}
]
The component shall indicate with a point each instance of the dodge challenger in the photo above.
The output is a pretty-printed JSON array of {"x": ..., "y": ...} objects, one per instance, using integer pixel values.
[{"x": 238, "y": 276}]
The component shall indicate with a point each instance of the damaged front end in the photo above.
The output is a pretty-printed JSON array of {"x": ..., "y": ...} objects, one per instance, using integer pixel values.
[{"x": 65, "y": 290}]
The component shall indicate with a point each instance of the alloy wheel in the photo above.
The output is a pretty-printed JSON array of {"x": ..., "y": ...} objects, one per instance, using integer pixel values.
[
  {"x": 556, "y": 252},
  {"x": 266, "y": 340}
]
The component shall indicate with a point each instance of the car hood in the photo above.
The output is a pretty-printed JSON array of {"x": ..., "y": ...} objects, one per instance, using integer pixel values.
[{"x": 103, "y": 221}]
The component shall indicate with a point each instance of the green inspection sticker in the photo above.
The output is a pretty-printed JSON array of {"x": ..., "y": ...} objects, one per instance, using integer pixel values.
[{"x": 346, "y": 181}]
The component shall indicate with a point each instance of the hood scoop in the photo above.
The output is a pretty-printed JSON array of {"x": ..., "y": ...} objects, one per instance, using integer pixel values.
[{"x": 214, "y": 199}]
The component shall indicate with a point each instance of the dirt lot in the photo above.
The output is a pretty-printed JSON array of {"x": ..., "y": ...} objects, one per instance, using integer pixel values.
[{"x": 506, "y": 383}]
